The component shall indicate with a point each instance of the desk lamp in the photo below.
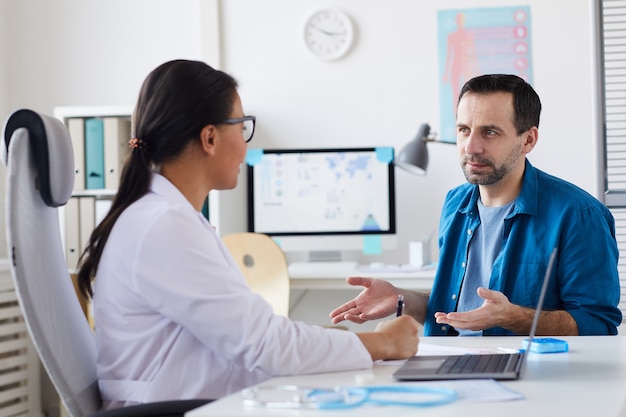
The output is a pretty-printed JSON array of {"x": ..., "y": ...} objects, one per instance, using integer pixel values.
[{"x": 414, "y": 156}]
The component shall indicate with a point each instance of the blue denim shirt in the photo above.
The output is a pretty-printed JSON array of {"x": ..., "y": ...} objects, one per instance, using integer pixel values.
[{"x": 549, "y": 213}]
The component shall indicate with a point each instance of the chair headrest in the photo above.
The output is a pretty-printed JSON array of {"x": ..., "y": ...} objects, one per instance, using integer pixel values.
[{"x": 51, "y": 149}]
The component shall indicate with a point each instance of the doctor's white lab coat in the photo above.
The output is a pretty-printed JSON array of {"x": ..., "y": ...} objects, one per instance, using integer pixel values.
[{"x": 175, "y": 319}]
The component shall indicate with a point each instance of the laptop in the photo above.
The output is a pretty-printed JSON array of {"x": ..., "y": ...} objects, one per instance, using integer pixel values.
[{"x": 501, "y": 366}]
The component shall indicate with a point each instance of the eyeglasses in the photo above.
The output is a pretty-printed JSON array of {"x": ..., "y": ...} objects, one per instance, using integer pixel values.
[{"x": 248, "y": 125}]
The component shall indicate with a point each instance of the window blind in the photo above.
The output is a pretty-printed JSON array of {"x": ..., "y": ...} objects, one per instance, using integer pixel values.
[{"x": 614, "y": 74}]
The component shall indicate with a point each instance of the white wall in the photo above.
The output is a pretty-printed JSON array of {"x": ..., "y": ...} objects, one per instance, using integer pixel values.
[
  {"x": 82, "y": 53},
  {"x": 76, "y": 52},
  {"x": 388, "y": 85}
]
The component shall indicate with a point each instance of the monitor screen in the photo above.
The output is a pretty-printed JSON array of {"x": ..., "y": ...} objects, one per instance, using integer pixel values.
[{"x": 314, "y": 192}]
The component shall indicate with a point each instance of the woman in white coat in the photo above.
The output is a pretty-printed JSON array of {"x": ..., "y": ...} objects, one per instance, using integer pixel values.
[{"x": 174, "y": 316}]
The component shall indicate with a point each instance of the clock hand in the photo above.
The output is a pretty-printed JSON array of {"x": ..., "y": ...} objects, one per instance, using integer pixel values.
[{"x": 327, "y": 32}]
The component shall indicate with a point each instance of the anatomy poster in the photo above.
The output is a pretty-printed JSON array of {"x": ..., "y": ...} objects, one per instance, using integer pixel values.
[{"x": 479, "y": 41}]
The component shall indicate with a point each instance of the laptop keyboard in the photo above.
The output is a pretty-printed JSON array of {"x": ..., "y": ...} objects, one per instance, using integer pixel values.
[{"x": 474, "y": 363}]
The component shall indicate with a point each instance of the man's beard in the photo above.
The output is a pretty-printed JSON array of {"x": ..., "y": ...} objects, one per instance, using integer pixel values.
[{"x": 493, "y": 174}]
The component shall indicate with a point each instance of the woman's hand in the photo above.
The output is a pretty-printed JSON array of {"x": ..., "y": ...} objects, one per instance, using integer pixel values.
[{"x": 392, "y": 339}]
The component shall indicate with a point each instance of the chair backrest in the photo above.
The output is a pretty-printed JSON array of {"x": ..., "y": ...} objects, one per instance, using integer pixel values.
[
  {"x": 264, "y": 266},
  {"x": 40, "y": 177}
]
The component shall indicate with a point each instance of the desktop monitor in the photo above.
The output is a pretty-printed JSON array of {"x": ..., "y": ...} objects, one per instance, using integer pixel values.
[{"x": 323, "y": 201}]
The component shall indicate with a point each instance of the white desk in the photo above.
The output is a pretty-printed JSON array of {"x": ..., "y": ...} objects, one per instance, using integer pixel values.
[
  {"x": 326, "y": 276},
  {"x": 589, "y": 380}
]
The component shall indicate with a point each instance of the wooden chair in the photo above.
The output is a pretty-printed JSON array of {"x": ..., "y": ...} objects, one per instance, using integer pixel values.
[{"x": 264, "y": 266}]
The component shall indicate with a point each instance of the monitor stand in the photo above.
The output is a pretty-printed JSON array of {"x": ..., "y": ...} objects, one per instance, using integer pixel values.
[
  {"x": 324, "y": 256},
  {"x": 331, "y": 259}
]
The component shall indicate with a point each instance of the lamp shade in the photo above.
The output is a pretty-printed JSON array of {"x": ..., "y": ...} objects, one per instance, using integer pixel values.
[{"x": 414, "y": 156}]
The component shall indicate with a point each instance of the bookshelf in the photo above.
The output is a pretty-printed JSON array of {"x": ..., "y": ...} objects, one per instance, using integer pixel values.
[{"x": 100, "y": 141}]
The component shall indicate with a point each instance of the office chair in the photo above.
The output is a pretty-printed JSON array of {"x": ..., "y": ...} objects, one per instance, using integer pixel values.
[
  {"x": 40, "y": 177},
  {"x": 264, "y": 266}
]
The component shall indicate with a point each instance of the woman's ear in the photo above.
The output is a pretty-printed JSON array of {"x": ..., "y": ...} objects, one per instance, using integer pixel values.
[{"x": 207, "y": 138}]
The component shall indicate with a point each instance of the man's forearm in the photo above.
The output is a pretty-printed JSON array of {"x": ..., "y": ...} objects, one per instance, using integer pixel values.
[
  {"x": 551, "y": 323},
  {"x": 415, "y": 304}
]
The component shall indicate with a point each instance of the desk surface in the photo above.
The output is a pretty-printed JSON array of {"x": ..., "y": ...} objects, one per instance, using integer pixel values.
[
  {"x": 588, "y": 380},
  {"x": 332, "y": 276}
]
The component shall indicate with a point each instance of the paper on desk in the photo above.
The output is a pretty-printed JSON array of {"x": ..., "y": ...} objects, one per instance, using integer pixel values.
[{"x": 426, "y": 349}]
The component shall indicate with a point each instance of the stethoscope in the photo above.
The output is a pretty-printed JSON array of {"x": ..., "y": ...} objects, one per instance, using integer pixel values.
[{"x": 296, "y": 397}]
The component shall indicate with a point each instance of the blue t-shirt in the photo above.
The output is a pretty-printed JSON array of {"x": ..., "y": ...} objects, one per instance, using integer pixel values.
[
  {"x": 483, "y": 251},
  {"x": 548, "y": 213}
]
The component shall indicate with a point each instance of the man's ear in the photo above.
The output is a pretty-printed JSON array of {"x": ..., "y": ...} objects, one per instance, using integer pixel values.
[
  {"x": 531, "y": 138},
  {"x": 208, "y": 137}
]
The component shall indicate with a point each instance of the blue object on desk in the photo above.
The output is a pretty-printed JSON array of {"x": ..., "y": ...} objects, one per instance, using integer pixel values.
[{"x": 546, "y": 345}]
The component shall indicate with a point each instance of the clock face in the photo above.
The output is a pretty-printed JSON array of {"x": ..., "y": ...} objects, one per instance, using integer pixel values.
[{"x": 329, "y": 34}]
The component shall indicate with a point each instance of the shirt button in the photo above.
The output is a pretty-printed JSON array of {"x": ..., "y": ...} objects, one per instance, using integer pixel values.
[
  {"x": 444, "y": 329},
  {"x": 454, "y": 296},
  {"x": 469, "y": 231},
  {"x": 463, "y": 265}
]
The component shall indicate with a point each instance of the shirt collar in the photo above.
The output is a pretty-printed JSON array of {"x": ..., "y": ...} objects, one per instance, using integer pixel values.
[
  {"x": 163, "y": 187},
  {"x": 526, "y": 202}
]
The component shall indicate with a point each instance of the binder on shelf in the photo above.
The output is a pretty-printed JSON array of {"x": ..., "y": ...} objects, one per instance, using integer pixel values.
[
  {"x": 102, "y": 208},
  {"x": 76, "y": 128},
  {"x": 72, "y": 233},
  {"x": 87, "y": 219},
  {"x": 116, "y": 136},
  {"x": 94, "y": 153}
]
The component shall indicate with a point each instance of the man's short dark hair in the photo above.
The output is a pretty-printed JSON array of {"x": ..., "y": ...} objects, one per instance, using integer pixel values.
[{"x": 526, "y": 103}]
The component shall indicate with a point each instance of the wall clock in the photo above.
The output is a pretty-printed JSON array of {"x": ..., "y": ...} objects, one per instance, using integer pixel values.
[{"x": 329, "y": 34}]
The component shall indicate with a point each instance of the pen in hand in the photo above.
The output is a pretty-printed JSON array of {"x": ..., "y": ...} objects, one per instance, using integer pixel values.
[{"x": 400, "y": 308}]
